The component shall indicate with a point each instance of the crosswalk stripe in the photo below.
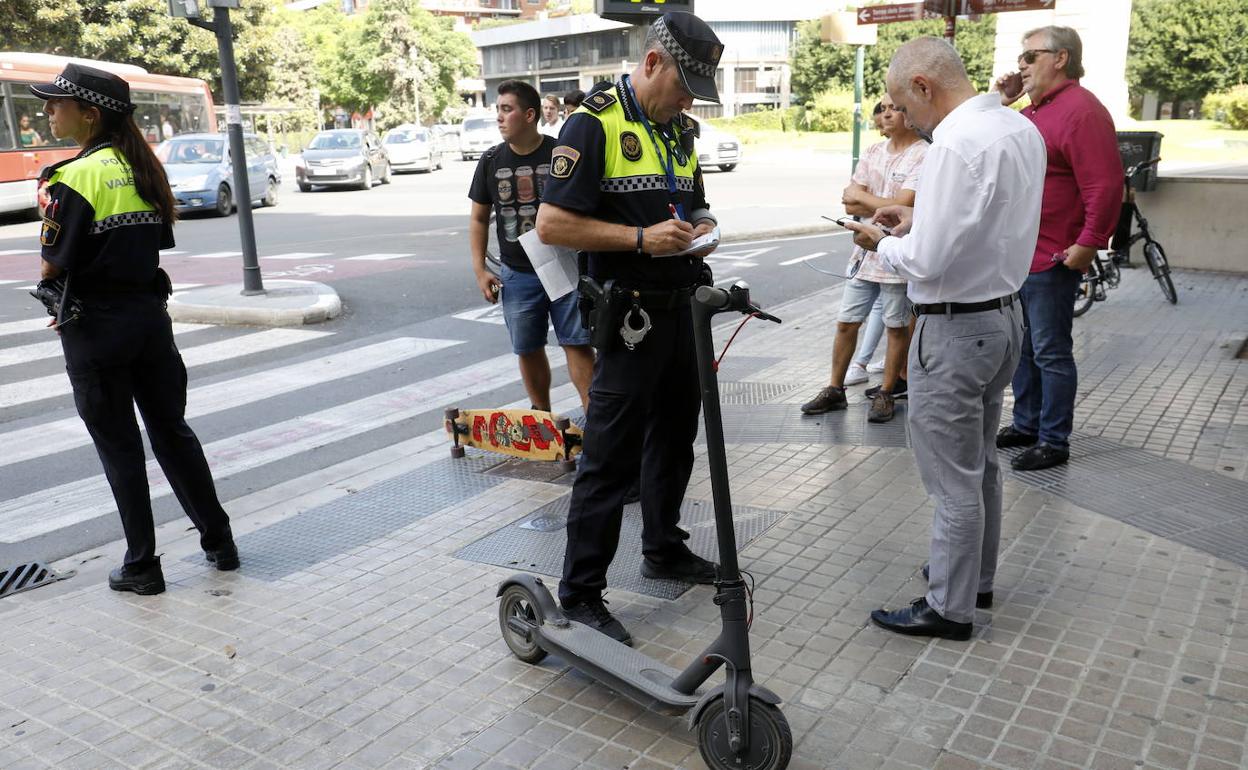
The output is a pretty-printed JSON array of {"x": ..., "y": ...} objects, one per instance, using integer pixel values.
[
  {"x": 217, "y": 255},
  {"x": 23, "y": 326},
  {"x": 297, "y": 255},
  {"x": 728, "y": 280},
  {"x": 39, "y": 388},
  {"x": 27, "y": 287},
  {"x": 48, "y": 510},
  {"x": 39, "y": 350},
  {"x": 10, "y": 280},
  {"x": 378, "y": 257},
  {"x": 63, "y": 435},
  {"x": 15, "y": 252},
  {"x": 816, "y": 255}
]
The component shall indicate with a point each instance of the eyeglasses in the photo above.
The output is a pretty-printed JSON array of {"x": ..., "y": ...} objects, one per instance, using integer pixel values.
[{"x": 1029, "y": 56}]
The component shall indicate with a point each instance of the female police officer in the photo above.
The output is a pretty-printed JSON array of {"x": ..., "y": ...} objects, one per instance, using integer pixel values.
[{"x": 107, "y": 213}]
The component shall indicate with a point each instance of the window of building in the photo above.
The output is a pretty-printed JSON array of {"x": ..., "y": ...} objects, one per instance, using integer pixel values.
[{"x": 746, "y": 81}]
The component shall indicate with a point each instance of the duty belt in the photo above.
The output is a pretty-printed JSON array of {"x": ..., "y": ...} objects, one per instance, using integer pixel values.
[
  {"x": 965, "y": 307},
  {"x": 659, "y": 299}
]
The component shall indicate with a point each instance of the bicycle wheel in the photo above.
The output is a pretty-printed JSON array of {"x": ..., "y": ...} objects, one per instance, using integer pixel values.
[
  {"x": 1156, "y": 257},
  {"x": 1085, "y": 295}
]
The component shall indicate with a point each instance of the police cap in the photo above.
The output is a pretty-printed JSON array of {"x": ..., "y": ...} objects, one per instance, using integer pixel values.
[
  {"x": 78, "y": 81},
  {"x": 696, "y": 50}
]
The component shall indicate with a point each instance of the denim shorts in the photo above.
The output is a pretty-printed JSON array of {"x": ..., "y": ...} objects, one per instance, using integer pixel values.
[
  {"x": 529, "y": 313},
  {"x": 860, "y": 295}
]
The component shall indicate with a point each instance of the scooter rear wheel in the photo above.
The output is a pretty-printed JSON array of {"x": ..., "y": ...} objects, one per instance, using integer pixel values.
[
  {"x": 771, "y": 740},
  {"x": 516, "y": 602}
]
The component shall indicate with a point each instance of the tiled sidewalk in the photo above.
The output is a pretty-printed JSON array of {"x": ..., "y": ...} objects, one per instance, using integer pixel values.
[{"x": 1110, "y": 646}]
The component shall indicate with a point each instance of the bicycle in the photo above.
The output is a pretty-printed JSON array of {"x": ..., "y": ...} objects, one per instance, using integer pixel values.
[
  {"x": 1102, "y": 275},
  {"x": 1124, "y": 239}
]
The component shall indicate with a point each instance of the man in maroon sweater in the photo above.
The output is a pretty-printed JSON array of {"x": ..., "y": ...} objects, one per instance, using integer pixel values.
[{"x": 1082, "y": 193}]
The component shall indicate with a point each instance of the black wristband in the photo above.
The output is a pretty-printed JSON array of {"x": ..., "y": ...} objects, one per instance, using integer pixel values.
[{"x": 640, "y": 231}]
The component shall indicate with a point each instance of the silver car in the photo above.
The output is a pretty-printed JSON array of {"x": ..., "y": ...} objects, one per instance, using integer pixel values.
[
  {"x": 343, "y": 157},
  {"x": 412, "y": 148},
  {"x": 476, "y": 135}
]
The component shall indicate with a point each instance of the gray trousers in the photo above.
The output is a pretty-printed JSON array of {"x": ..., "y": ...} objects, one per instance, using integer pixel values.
[{"x": 959, "y": 368}]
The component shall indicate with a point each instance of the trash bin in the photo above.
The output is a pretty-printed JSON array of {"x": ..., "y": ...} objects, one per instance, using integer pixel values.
[{"x": 1137, "y": 147}]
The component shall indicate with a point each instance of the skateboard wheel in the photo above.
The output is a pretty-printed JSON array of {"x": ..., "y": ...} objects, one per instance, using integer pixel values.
[
  {"x": 452, "y": 413},
  {"x": 563, "y": 423},
  {"x": 457, "y": 452}
]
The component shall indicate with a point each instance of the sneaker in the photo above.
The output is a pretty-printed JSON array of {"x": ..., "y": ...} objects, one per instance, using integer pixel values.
[
  {"x": 145, "y": 581},
  {"x": 856, "y": 375},
  {"x": 224, "y": 558},
  {"x": 686, "y": 567},
  {"x": 594, "y": 613},
  {"x": 830, "y": 399},
  {"x": 882, "y": 407},
  {"x": 876, "y": 367},
  {"x": 899, "y": 390}
]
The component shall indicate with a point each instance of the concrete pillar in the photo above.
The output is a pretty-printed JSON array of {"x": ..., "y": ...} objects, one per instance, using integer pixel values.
[{"x": 1102, "y": 24}]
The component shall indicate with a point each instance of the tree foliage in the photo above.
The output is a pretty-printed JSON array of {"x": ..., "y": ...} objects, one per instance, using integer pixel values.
[
  {"x": 1185, "y": 49},
  {"x": 818, "y": 67}
]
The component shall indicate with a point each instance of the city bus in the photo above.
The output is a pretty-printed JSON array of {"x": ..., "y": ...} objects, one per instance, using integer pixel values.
[{"x": 165, "y": 106}]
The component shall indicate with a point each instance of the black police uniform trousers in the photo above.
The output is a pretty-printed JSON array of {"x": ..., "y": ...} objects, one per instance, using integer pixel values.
[
  {"x": 122, "y": 353},
  {"x": 643, "y": 414}
]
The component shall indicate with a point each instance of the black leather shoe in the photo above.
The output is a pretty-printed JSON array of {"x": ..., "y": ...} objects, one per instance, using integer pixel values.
[
  {"x": 224, "y": 558},
  {"x": 921, "y": 620},
  {"x": 1039, "y": 457},
  {"x": 983, "y": 600},
  {"x": 687, "y": 567},
  {"x": 594, "y": 613},
  {"x": 145, "y": 581},
  {"x": 1009, "y": 436}
]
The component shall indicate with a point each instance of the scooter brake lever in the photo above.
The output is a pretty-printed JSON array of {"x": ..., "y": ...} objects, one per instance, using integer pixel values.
[{"x": 758, "y": 313}]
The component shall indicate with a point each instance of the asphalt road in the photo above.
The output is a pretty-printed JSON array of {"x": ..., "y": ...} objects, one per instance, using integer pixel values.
[{"x": 277, "y": 406}]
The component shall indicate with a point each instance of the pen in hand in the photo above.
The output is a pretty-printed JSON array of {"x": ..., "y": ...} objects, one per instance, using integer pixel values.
[{"x": 672, "y": 208}]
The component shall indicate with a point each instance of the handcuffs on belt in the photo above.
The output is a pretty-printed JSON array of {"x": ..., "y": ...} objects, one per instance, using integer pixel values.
[{"x": 633, "y": 337}]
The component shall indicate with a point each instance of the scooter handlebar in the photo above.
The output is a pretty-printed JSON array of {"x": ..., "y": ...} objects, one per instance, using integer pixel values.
[{"x": 735, "y": 298}]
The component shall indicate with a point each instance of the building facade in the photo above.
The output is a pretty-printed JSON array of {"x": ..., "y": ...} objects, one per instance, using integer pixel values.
[{"x": 560, "y": 54}]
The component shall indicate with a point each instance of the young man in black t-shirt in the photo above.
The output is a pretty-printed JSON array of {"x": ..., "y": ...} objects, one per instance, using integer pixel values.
[{"x": 509, "y": 179}]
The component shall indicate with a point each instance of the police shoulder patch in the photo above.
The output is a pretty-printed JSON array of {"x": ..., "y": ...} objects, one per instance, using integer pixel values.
[
  {"x": 630, "y": 145},
  {"x": 562, "y": 160},
  {"x": 49, "y": 232},
  {"x": 599, "y": 101}
]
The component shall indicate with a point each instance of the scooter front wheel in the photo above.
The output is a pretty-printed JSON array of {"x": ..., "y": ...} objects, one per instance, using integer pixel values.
[
  {"x": 771, "y": 740},
  {"x": 518, "y": 607}
]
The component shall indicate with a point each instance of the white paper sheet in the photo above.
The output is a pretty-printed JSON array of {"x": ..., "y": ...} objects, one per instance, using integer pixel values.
[
  {"x": 701, "y": 242},
  {"x": 555, "y": 265}
]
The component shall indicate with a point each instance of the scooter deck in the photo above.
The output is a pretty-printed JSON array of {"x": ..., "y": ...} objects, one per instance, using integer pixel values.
[{"x": 623, "y": 668}]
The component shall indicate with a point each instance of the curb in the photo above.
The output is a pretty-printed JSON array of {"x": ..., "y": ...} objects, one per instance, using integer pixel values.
[{"x": 284, "y": 303}]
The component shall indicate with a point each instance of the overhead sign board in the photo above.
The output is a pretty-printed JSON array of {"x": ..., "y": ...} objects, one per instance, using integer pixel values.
[
  {"x": 886, "y": 14},
  {"x": 1005, "y": 6},
  {"x": 639, "y": 11}
]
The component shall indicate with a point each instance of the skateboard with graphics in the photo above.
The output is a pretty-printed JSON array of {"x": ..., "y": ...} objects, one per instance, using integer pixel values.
[{"x": 529, "y": 434}]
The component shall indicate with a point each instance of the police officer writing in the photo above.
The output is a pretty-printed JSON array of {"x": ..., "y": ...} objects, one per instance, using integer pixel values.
[
  {"x": 108, "y": 212},
  {"x": 625, "y": 188}
]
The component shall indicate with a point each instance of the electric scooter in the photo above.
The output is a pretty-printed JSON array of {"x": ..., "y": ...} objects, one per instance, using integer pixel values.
[{"x": 739, "y": 723}]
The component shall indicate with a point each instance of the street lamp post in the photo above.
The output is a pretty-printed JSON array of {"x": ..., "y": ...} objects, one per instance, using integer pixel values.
[{"x": 224, "y": 31}]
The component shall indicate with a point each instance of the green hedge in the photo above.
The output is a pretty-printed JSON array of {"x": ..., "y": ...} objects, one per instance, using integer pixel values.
[
  {"x": 831, "y": 111},
  {"x": 1230, "y": 107},
  {"x": 766, "y": 120}
]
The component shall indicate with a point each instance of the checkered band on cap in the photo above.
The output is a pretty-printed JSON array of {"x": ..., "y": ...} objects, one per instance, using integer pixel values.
[
  {"x": 122, "y": 220},
  {"x": 643, "y": 182},
  {"x": 682, "y": 57},
  {"x": 86, "y": 94}
]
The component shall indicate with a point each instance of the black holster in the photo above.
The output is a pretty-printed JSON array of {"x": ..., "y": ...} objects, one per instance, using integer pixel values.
[{"x": 602, "y": 311}]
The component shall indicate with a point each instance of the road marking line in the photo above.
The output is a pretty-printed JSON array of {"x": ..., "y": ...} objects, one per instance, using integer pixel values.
[
  {"x": 14, "y": 252},
  {"x": 36, "y": 351},
  {"x": 23, "y": 326},
  {"x": 298, "y": 255},
  {"x": 217, "y": 255},
  {"x": 65, "y": 505},
  {"x": 69, "y": 433},
  {"x": 39, "y": 388},
  {"x": 28, "y": 287},
  {"x": 185, "y": 286},
  {"x": 378, "y": 257},
  {"x": 7, "y": 281},
  {"x": 172, "y": 253},
  {"x": 816, "y": 255},
  {"x": 728, "y": 280},
  {"x": 490, "y": 314}
]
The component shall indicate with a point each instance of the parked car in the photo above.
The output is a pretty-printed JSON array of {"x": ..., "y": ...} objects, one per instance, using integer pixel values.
[
  {"x": 412, "y": 148},
  {"x": 476, "y": 135},
  {"x": 717, "y": 148},
  {"x": 447, "y": 137},
  {"x": 343, "y": 157},
  {"x": 200, "y": 173}
]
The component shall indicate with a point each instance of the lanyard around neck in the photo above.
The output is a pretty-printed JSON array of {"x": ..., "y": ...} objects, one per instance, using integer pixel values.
[{"x": 666, "y": 160}]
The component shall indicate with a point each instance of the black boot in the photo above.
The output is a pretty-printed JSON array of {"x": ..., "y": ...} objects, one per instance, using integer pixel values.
[{"x": 145, "y": 581}]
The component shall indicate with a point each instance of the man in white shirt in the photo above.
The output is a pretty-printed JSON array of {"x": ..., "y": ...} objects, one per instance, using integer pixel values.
[
  {"x": 550, "y": 123},
  {"x": 966, "y": 249}
]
